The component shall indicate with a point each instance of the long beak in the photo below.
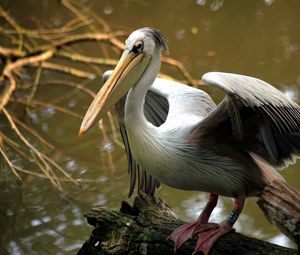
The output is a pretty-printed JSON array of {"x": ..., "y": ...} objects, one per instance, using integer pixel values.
[{"x": 127, "y": 72}]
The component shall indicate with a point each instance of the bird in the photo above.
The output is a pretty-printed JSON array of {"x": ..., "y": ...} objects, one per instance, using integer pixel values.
[{"x": 178, "y": 136}]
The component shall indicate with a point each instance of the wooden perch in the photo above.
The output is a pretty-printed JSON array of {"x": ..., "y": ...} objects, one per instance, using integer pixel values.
[
  {"x": 281, "y": 205},
  {"x": 144, "y": 227}
]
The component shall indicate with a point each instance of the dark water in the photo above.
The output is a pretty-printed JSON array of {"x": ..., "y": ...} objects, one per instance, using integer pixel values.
[{"x": 258, "y": 38}]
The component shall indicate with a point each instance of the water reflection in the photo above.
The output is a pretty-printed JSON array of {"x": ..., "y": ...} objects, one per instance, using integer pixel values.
[
  {"x": 260, "y": 38},
  {"x": 196, "y": 203},
  {"x": 108, "y": 10},
  {"x": 269, "y": 2},
  {"x": 216, "y": 5}
]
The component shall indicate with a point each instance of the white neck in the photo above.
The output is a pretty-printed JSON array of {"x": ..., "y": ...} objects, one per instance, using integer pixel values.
[
  {"x": 139, "y": 130},
  {"x": 134, "y": 107}
]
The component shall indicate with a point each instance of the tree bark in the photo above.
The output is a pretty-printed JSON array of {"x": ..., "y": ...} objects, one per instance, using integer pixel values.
[
  {"x": 144, "y": 227},
  {"x": 281, "y": 205}
]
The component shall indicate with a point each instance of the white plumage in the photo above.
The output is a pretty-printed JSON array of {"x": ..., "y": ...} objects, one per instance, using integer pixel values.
[{"x": 177, "y": 135}]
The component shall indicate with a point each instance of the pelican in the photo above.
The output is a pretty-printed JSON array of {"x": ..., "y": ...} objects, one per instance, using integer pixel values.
[{"x": 187, "y": 142}]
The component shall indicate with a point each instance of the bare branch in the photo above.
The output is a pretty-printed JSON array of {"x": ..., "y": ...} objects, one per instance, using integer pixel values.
[
  {"x": 34, "y": 133},
  {"x": 11, "y": 165},
  {"x": 66, "y": 69},
  {"x": 180, "y": 67},
  {"x": 8, "y": 52},
  {"x": 86, "y": 59},
  {"x": 41, "y": 159},
  {"x": 64, "y": 83},
  {"x": 45, "y": 104},
  {"x": 40, "y": 49}
]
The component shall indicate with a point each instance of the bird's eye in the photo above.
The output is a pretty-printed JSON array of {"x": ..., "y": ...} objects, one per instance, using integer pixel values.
[{"x": 138, "y": 47}]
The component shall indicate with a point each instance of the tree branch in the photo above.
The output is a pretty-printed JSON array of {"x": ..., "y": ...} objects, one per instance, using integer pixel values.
[{"x": 144, "y": 227}]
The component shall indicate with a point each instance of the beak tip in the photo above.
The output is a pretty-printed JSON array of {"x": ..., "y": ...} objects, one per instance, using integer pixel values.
[{"x": 81, "y": 133}]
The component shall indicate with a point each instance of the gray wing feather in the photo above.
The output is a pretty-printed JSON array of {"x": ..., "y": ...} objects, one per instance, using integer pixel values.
[
  {"x": 236, "y": 121},
  {"x": 263, "y": 119},
  {"x": 156, "y": 108},
  {"x": 282, "y": 112}
]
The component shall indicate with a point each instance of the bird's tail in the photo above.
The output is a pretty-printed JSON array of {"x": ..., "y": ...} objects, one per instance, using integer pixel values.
[{"x": 270, "y": 174}]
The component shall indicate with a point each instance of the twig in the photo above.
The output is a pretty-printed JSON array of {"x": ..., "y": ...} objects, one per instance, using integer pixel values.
[
  {"x": 70, "y": 26},
  {"x": 36, "y": 82},
  {"x": 7, "y": 72},
  {"x": 92, "y": 14},
  {"x": 40, "y": 156},
  {"x": 180, "y": 67},
  {"x": 84, "y": 37},
  {"x": 80, "y": 15},
  {"x": 9, "y": 52},
  {"x": 96, "y": 17},
  {"x": 114, "y": 130},
  {"x": 23, "y": 170},
  {"x": 57, "y": 166},
  {"x": 43, "y": 159},
  {"x": 15, "y": 146},
  {"x": 86, "y": 59},
  {"x": 64, "y": 83},
  {"x": 34, "y": 133},
  {"x": 45, "y": 104},
  {"x": 45, "y": 55},
  {"x": 15, "y": 25},
  {"x": 109, "y": 154},
  {"x": 8, "y": 88},
  {"x": 11, "y": 165},
  {"x": 66, "y": 69}
]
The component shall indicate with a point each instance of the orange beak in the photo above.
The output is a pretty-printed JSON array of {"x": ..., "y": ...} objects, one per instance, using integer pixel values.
[{"x": 125, "y": 75}]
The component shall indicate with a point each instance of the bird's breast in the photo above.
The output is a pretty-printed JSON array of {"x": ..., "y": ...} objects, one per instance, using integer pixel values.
[{"x": 166, "y": 154}]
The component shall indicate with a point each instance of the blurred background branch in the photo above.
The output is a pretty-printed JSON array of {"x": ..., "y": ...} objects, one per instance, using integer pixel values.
[{"x": 52, "y": 49}]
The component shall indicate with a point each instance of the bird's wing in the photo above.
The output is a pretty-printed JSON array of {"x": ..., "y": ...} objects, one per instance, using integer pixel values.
[
  {"x": 183, "y": 100},
  {"x": 165, "y": 100},
  {"x": 145, "y": 182},
  {"x": 254, "y": 117},
  {"x": 156, "y": 108}
]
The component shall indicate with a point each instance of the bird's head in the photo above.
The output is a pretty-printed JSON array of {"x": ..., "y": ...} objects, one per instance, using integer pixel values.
[{"x": 139, "y": 49}]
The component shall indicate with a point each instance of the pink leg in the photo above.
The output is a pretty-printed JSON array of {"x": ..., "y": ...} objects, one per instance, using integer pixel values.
[
  {"x": 207, "y": 240},
  {"x": 181, "y": 234}
]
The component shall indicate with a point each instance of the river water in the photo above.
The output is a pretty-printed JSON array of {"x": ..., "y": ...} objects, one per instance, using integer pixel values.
[{"x": 258, "y": 38}]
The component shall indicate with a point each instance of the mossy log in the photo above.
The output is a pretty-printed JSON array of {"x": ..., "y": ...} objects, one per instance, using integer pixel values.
[{"x": 144, "y": 227}]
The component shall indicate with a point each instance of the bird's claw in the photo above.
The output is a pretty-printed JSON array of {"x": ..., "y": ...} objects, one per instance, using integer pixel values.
[
  {"x": 207, "y": 239},
  {"x": 181, "y": 234}
]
